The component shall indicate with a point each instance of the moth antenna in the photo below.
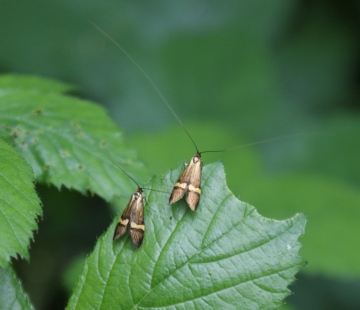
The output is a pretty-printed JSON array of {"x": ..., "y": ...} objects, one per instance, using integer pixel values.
[
  {"x": 162, "y": 97},
  {"x": 142, "y": 188},
  {"x": 255, "y": 143},
  {"x": 155, "y": 190},
  {"x": 147, "y": 77},
  {"x": 126, "y": 174}
]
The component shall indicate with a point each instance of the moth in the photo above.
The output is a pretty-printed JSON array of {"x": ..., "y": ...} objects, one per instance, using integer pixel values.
[
  {"x": 189, "y": 183},
  {"x": 133, "y": 216}
]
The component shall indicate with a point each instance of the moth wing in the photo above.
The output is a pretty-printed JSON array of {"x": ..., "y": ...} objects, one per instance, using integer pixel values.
[
  {"x": 177, "y": 192},
  {"x": 137, "y": 227},
  {"x": 195, "y": 176},
  {"x": 123, "y": 221},
  {"x": 194, "y": 188},
  {"x": 181, "y": 185},
  {"x": 192, "y": 199}
]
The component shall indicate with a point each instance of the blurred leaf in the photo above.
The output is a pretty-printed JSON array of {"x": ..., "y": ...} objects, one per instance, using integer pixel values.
[
  {"x": 317, "y": 63},
  {"x": 72, "y": 273},
  {"x": 171, "y": 146},
  {"x": 12, "y": 295},
  {"x": 286, "y": 307},
  {"x": 338, "y": 152},
  {"x": 239, "y": 82},
  {"x": 32, "y": 83},
  {"x": 222, "y": 255},
  {"x": 333, "y": 210},
  {"x": 19, "y": 205},
  {"x": 67, "y": 141},
  {"x": 321, "y": 292}
]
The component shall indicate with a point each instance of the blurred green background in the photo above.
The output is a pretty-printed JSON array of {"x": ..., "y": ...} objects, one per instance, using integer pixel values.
[{"x": 236, "y": 72}]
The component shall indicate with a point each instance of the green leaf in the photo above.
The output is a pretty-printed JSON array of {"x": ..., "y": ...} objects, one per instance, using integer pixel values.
[
  {"x": 12, "y": 295},
  {"x": 332, "y": 208},
  {"x": 33, "y": 83},
  {"x": 72, "y": 272},
  {"x": 331, "y": 205},
  {"x": 19, "y": 205},
  {"x": 68, "y": 141},
  {"x": 221, "y": 256}
]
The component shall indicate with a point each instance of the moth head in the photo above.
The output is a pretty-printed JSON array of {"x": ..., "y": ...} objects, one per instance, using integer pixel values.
[
  {"x": 138, "y": 193},
  {"x": 196, "y": 158}
]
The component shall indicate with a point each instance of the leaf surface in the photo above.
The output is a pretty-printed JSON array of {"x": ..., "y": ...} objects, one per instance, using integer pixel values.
[
  {"x": 328, "y": 229},
  {"x": 19, "y": 205},
  {"x": 330, "y": 204},
  {"x": 32, "y": 83},
  {"x": 67, "y": 141},
  {"x": 12, "y": 295},
  {"x": 221, "y": 256}
]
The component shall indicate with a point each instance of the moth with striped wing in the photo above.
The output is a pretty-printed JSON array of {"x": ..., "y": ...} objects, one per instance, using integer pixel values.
[
  {"x": 133, "y": 215},
  {"x": 189, "y": 183}
]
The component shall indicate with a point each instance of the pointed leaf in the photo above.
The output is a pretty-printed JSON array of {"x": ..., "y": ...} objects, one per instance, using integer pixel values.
[
  {"x": 221, "y": 256},
  {"x": 19, "y": 205},
  {"x": 67, "y": 141},
  {"x": 12, "y": 295}
]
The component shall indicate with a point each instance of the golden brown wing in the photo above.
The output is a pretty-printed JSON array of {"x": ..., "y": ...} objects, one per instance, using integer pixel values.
[
  {"x": 180, "y": 186},
  {"x": 124, "y": 220},
  {"x": 177, "y": 192},
  {"x": 137, "y": 227},
  {"x": 133, "y": 214},
  {"x": 189, "y": 183},
  {"x": 194, "y": 187}
]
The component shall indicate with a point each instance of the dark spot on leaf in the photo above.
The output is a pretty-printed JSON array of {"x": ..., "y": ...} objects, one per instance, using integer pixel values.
[
  {"x": 170, "y": 217},
  {"x": 81, "y": 167},
  {"x": 103, "y": 143},
  {"x": 16, "y": 132},
  {"x": 64, "y": 154},
  {"x": 47, "y": 166},
  {"x": 38, "y": 111},
  {"x": 76, "y": 125}
]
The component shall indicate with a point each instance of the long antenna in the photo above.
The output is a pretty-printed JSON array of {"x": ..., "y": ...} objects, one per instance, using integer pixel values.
[
  {"x": 254, "y": 143},
  {"x": 162, "y": 97},
  {"x": 143, "y": 72},
  {"x": 142, "y": 188},
  {"x": 126, "y": 173}
]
